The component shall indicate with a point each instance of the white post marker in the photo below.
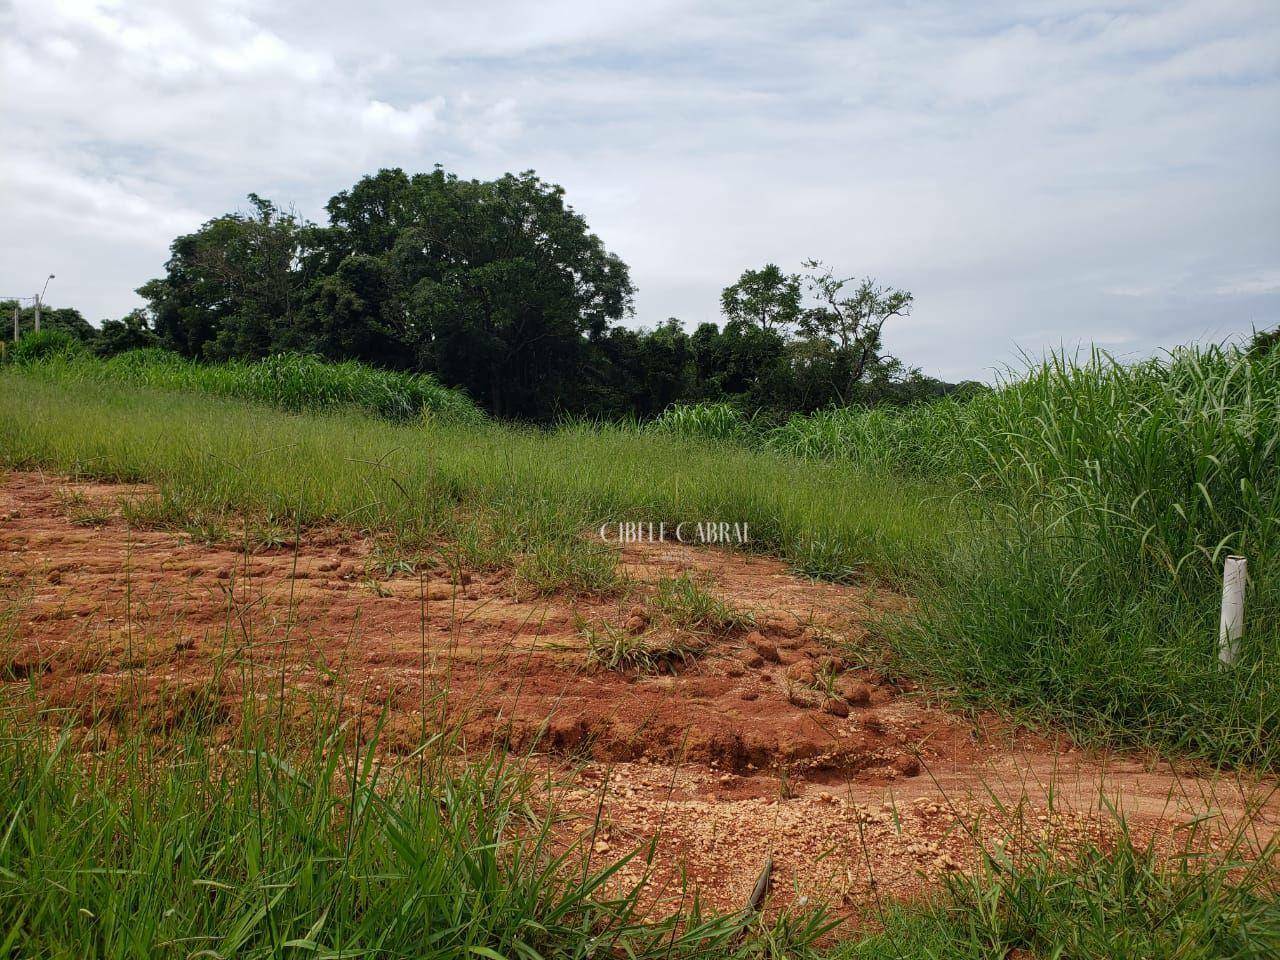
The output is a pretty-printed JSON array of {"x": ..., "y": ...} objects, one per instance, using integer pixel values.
[{"x": 1231, "y": 628}]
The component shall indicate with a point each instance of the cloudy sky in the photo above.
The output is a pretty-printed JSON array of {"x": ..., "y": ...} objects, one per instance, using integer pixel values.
[{"x": 1039, "y": 174}]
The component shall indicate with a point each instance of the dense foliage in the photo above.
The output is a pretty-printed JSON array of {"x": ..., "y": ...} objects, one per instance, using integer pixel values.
[{"x": 499, "y": 288}]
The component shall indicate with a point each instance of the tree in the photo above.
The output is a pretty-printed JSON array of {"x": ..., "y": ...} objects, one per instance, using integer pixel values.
[
  {"x": 851, "y": 320},
  {"x": 501, "y": 281},
  {"x": 68, "y": 320},
  {"x": 234, "y": 287},
  {"x": 767, "y": 298},
  {"x": 132, "y": 332}
]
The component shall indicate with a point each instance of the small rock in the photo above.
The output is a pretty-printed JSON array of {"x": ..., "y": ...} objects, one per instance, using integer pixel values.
[
  {"x": 855, "y": 692},
  {"x": 836, "y": 707},
  {"x": 800, "y": 697},
  {"x": 635, "y": 624},
  {"x": 767, "y": 650},
  {"x": 802, "y": 671}
]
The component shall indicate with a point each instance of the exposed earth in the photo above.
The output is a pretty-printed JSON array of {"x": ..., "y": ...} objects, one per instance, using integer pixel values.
[{"x": 781, "y": 737}]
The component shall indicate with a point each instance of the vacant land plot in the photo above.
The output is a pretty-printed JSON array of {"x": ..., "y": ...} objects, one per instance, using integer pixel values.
[
  {"x": 337, "y": 679},
  {"x": 778, "y": 735}
]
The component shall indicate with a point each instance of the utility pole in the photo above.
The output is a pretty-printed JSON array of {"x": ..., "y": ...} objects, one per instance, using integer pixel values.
[{"x": 17, "y": 315}]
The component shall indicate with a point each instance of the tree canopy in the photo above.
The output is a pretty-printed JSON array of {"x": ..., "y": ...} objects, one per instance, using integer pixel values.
[{"x": 500, "y": 287}]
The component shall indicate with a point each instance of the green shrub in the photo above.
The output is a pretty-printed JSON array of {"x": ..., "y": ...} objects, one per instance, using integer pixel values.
[
  {"x": 704, "y": 421},
  {"x": 47, "y": 345}
]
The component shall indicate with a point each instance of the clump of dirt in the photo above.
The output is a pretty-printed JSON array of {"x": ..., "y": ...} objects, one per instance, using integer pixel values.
[{"x": 777, "y": 734}]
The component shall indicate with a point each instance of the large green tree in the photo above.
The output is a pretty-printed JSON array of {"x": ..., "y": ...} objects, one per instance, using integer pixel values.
[
  {"x": 499, "y": 287},
  {"x": 235, "y": 287},
  {"x": 67, "y": 320},
  {"x": 493, "y": 285},
  {"x": 846, "y": 325}
]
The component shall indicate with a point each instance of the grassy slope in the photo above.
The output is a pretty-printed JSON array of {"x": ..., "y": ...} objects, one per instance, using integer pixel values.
[
  {"x": 292, "y": 381},
  {"x": 496, "y": 490}
]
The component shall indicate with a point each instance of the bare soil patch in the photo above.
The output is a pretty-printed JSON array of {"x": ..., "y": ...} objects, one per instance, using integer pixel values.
[{"x": 783, "y": 739}]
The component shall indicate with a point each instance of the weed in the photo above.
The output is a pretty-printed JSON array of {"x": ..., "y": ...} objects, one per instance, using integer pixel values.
[
  {"x": 616, "y": 648},
  {"x": 684, "y": 603},
  {"x": 81, "y": 510},
  {"x": 572, "y": 565}
]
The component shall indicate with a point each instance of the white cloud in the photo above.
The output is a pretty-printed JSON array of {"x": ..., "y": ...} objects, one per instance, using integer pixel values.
[{"x": 1037, "y": 173}]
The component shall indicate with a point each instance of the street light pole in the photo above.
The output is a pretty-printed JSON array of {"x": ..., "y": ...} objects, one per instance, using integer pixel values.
[{"x": 39, "y": 298}]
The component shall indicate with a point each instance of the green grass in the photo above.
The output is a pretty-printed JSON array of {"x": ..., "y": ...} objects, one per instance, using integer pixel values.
[
  {"x": 291, "y": 381},
  {"x": 303, "y": 844},
  {"x": 494, "y": 492},
  {"x": 315, "y": 849},
  {"x": 1037, "y": 594},
  {"x": 1120, "y": 902},
  {"x": 684, "y": 602}
]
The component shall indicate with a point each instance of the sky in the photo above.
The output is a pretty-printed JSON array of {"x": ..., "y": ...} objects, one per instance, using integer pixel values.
[{"x": 1040, "y": 175}]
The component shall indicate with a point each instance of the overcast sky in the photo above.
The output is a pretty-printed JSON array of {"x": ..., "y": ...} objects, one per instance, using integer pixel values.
[{"x": 1037, "y": 173}]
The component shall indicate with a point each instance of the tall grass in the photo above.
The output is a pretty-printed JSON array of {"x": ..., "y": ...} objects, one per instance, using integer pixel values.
[
  {"x": 495, "y": 491},
  {"x": 1109, "y": 496},
  {"x": 706, "y": 421},
  {"x": 1102, "y": 499},
  {"x": 307, "y": 845},
  {"x": 314, "y": 848},
  {"x": 292, "y": 381},
  {"x": 1122, "y": 901}
]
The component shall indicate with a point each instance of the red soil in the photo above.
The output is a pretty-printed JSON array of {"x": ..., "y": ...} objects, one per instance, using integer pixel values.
[{"x": 783, "y": 741}]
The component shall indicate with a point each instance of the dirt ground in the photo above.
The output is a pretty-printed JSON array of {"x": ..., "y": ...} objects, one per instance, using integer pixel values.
[{"x": 782, "y": 741}]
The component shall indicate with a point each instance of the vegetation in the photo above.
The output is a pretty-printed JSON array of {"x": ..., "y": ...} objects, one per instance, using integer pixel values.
[
  {"x": 1064, "y": 534},
  {"x": 308, "y": 847},
  {"x": 291, "y": 381},
  {"x": 673, "y": 627},
  {"x": 500, "y": 289},
  {"x": 298, "y": 842},
  {"x": 1119, "y": 902}
]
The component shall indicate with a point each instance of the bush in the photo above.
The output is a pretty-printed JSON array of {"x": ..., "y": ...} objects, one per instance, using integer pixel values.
[{"x": 46, "y": 345}]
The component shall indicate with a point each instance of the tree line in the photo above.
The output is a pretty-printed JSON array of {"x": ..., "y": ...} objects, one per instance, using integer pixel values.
[{"x": 500, "y": 288}]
